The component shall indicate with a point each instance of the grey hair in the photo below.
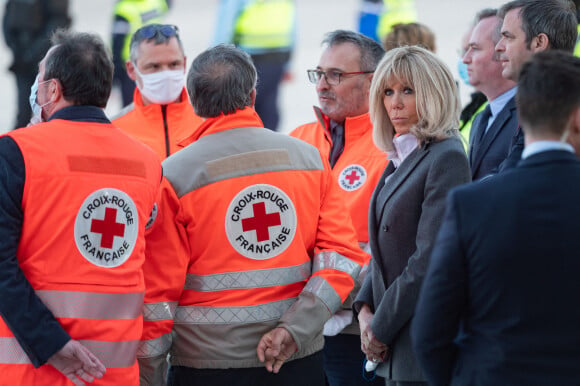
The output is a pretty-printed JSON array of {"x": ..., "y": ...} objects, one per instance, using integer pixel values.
[
  {"x": 157, "y": 39},
  {"x": 220, "y": 81},
  {"x": 371, "y": 52}
]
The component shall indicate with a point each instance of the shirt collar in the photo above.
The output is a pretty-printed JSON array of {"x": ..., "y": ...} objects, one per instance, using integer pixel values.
[
  {"x": 499, "y": 103},
  {"x": 81, "y": 114},
  {"x": 542, "y": 146},
  {"x": 404, "y": 145}
]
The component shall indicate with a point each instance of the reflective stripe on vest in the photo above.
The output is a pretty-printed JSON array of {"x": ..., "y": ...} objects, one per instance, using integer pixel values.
[
  {"x": 91, "y": 305},
  {"x": 159, "y": 311},
  {"x": 138, "y": 14},
  {"x": 154, "y": 347},
  {"x": 265, "y": 24},
  {"x": 233, "y": 315},
  {"x": 112, "y": 354},
  {"x": 334, "y": 260},
  {"x": 394, "y": 12},
  {"x": 248, "y": 279},
  {"x": 325, "y": 292}
]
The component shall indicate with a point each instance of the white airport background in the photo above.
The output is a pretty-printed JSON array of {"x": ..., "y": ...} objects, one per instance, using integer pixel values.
[{"x": 196, "y": 20}]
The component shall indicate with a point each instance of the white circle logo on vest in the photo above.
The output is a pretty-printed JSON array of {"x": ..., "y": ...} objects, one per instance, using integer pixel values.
[
  {"x": 261, "y": 222},
  {"x": 352, "y": 177},
  {"x": 106, "y": 227}
]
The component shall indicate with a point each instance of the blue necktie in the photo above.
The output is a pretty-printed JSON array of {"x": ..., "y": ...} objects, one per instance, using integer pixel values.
[{"x": 482, "y": 126}]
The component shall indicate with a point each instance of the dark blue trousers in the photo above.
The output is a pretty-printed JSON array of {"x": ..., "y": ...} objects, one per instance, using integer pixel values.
[
  {"x": 344, "y": 360},
  {"x": 300, "y": 372}
]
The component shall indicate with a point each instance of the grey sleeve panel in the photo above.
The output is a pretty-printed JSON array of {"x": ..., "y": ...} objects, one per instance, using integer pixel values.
[{"x": 235, "y": 153}]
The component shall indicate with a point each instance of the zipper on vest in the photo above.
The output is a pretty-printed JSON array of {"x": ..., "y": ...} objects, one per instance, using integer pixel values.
[{"x": 166, "y": 129}]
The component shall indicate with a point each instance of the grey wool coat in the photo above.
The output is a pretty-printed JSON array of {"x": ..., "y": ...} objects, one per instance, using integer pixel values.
[{"x": 404, "y": 217}]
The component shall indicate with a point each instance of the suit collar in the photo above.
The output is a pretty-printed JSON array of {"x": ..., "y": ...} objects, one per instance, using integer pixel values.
[
  {"x": 549, "y": 156},
  {"x": 401, "y": 174},
  {"x": 496, "y": 127}
]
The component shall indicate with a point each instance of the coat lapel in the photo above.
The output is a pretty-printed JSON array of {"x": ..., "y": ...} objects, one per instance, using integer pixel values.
[
  {"x": 493, "y": 131},
  {"x": 399, "y": 175}
]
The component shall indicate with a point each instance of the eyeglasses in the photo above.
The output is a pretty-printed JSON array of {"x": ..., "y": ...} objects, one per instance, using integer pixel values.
[
  {"x": 332, "y": 77},
  {"x": 151, "y": 30}
]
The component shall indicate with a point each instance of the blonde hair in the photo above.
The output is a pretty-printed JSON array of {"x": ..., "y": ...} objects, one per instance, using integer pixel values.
[
  {"x": 437, "y": 98},
  {"x": 410, "y": 34}
]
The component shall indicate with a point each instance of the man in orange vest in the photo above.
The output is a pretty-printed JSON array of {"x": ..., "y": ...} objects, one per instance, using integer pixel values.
[
  {"x": 75, "y": 194},
  {"x": 160, "y": 115},
  {"x": 258, "y": 247},
  {"x": 343, "y": 134}
]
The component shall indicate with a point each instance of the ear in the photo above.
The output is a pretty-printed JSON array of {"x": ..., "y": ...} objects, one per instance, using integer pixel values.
[
  {"x": 541, "y": 42},
  {"x": 253, "y": 96},
  {"x": 131, "y": 70},
  {"x": 574, "y": 127},
  {"x": 54, "y": 90}
]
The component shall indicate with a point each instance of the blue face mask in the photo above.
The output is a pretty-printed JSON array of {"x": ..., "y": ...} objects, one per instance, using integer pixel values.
[
  {"x": 36, "y": 108},
  {"x": 462, "y": 70}
]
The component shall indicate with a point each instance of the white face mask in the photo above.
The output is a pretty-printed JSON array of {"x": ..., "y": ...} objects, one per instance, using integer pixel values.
[
  {"x": 161, "y": 87},
  {"x": 36, "y": 108}
]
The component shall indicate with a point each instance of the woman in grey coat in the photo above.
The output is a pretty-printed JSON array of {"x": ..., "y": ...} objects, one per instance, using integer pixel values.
[{"x": 414, "y": 106}]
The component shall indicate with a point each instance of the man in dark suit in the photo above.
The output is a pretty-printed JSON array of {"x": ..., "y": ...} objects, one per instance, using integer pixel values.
[
  {"x": 497, "y": 306},
  {"x": 495, "y": 126},
  {"x": 529, "y": 27}
]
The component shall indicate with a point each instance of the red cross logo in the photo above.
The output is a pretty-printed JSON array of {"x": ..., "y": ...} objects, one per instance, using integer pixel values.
[
  {"x": 108, "y": 228},
  {"x": 261, "y": 222},
  {"x": 352, "y": 177}
]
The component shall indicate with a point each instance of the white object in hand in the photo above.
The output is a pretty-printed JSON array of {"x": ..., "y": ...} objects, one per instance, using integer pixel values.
[{"x": 370, "y": 366}]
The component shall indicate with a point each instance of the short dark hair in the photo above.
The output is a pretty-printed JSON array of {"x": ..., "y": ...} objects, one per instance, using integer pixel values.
[
  {"x": 83, "y": 66},
  {"x": 555, "y": 18},
  {"x": 548, "y": 91},
  {"x": 220, "y": 81},
  {"x": 158, "y": 38},
  {"x": 371, "y": 52}
]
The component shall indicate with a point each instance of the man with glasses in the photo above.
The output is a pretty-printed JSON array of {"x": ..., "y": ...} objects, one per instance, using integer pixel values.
[
  {"x": 160, "y": 115},
  {"x": 343, "y": 135}
]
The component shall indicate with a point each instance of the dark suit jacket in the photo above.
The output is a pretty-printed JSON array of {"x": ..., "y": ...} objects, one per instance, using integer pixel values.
[
  {"x": 499, "y": 304},
  {"x": 486, "y": 156},
  {"x": 404, "y": 217}
]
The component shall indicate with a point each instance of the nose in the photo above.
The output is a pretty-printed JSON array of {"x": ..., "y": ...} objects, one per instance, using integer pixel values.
[
  {"x": 322, "y": 84},
  {"x": 500, "y": 46},
  {"x": 467, "y": 56},
  {"x": 397, "y": 101}
]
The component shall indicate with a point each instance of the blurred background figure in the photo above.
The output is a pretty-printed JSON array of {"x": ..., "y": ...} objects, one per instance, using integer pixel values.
[
  {"x": 577, "y": 49},
  {"x": 478, "y": 99},
  {"x": 265, "y": 29},
  {"x": 410, "y": 34},
  {"x": 27, "y": 26},
  {"x": 377, "y": 17},
  {"x": 128, "y": 17}
]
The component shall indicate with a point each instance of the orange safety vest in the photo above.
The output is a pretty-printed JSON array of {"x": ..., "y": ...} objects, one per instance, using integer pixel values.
[
  {"x": 88, "y": 194},
  {"x": 256, "y": 229},
  {"x": 358, "y": 168},
  {"x": 161, "y": 127}
]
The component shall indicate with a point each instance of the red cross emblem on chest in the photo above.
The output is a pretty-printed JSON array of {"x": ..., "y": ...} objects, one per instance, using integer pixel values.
[{"x": 352, "y": 177}]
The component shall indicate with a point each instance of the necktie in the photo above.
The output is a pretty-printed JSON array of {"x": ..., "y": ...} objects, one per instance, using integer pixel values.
[
  {"x": 337, "y": 144},
  {"x": 482, "y": 126}
]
